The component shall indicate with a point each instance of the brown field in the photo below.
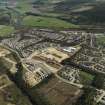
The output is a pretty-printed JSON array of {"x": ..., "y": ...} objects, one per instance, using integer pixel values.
[{"x": 58, "y": 92}]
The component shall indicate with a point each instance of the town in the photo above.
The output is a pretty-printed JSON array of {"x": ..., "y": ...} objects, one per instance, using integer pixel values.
[
  {"x": 52, "y": 52},
  {"x": 55, "y": 60}
]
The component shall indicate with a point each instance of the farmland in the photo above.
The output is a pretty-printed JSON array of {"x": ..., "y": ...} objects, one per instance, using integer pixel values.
[
  {"x": 5, "y": 30},
  {"x": 37, "y": 21}
]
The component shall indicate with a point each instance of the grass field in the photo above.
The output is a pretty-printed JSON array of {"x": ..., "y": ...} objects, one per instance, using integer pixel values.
[
  {"x": 23, "y": 6},
  {"x": 86, "y": 78},
  {"x": 37, "y": 21},
  {"x": 101, "y": 40},
  {"x": 5, "y": 30}
]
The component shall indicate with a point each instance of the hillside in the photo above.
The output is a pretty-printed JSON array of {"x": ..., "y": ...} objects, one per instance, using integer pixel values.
[
  {"x": 83, "y": 12},
  {"x": 89, "y": 13}
]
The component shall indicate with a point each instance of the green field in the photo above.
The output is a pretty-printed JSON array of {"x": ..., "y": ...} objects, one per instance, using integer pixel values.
[
  {"x": 5, "y": 30},
  {"x": 86, "y": 78},
  {"x": 38, "y": 21},
  {"x": 101, "y": 40},
  {"x": 24, "y": 7}
]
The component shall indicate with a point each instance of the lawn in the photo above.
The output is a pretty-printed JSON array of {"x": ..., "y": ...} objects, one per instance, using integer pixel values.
[
  {"x": 46, "y": 22},
  {"x": 5, "y": 31},
  {"x": 86, "y": 78}
]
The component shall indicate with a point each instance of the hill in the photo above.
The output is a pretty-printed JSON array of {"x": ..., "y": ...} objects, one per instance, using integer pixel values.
[{"x": 83, "y": 12}]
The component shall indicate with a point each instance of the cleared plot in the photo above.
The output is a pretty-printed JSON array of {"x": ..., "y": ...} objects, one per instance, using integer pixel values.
[
  {"x": 5, "y": 31},
  {"x": 53, "y": 54},
  {"x": 37, "y": 21}
]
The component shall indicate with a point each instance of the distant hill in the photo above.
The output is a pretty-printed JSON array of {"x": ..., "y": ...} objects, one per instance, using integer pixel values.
[{"x": 76, "y": 11}]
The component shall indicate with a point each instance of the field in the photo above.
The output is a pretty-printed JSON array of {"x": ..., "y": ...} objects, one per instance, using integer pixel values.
[
  {"x": 100, "y": 40},
  {"x": 86, "y": 78},
  {"x": 5, "y": 31},
  {"x": 37, "y": 21},
  {"x": 57, "y": 92},
  {"x": 24, "y": 6},
  {"x": 11, "y": 95},
  {"x": 81, "y": 12}
]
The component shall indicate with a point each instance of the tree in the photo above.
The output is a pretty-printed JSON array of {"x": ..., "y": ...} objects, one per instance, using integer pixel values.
[
  {"x": 99, "y": 81},
  {"x": 87, "y": 97},
  {"x": 19, "y": 73}
]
